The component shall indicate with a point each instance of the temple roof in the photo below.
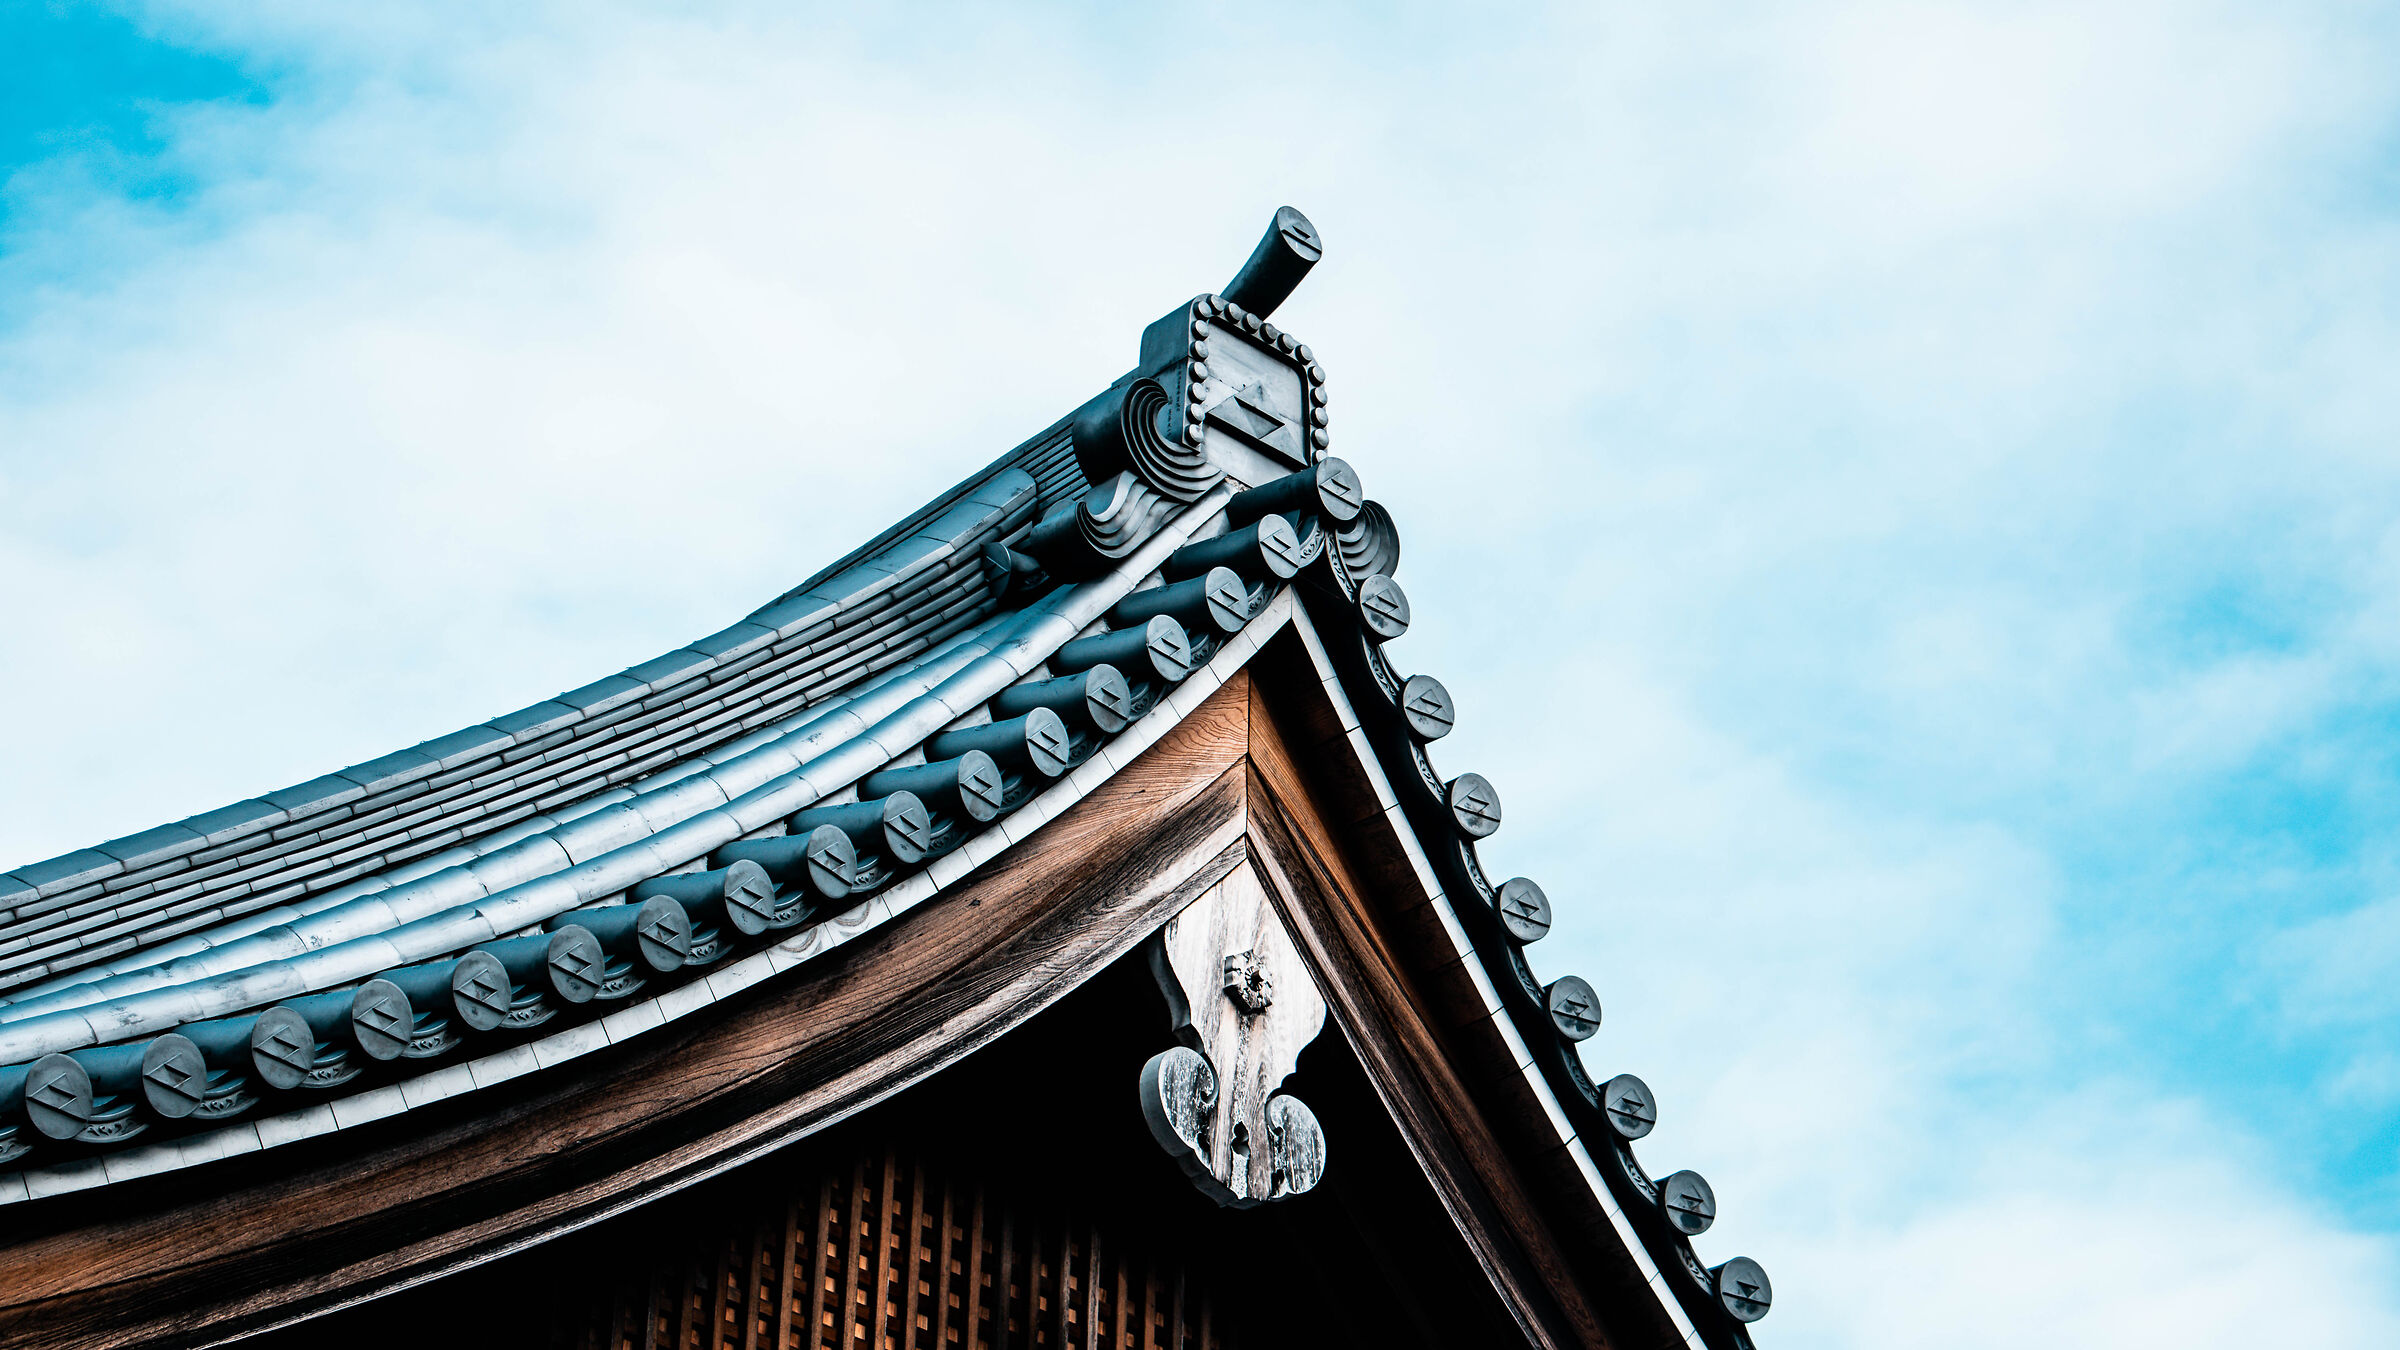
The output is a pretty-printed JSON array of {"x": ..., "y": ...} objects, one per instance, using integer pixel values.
[{"x": 583, "y": 871}]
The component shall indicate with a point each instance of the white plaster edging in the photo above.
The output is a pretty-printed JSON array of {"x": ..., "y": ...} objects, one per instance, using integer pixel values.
[{"x": 318, "y": 1119}]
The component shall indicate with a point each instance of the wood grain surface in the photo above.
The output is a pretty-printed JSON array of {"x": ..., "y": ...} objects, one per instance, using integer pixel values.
[
  {"x": 1252, "y": 1050},
  {"x": 263, "y": 1239},
  {"x": 1260, "y": 771},
  {"x": 1379, "y": 1011}
]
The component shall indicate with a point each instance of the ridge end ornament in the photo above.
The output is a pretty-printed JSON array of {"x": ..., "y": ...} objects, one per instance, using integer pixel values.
[{"x": 1244, "y": 1006}]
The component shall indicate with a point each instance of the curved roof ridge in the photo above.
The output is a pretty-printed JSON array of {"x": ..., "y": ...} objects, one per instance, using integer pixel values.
[
  {"x": 38, "y": 998},
  {"x": 909, "y": 644},
  {"x": 923, "y": 582},
  {"x": 308, "y": 1116},
  {"x": 176, "y": 968},
  {"x": 634, "y": 844}
]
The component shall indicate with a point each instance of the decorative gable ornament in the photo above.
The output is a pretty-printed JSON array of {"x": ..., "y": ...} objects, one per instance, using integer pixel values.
[{"x": 1244, "y": 1006}]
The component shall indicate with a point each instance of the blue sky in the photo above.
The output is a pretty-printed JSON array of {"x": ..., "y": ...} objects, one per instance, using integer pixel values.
[{"x": 1904, "y": 496}]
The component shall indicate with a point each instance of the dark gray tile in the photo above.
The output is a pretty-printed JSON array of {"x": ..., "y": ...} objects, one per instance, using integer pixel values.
[
  {"x": 852, "y": 589},
  {"x": 460, "y": 746},
  {"x": 739, "y": 640},
  {"x": 799, "y": 615},
  {"x": 908, "y": 557},
  {"x": 528, "y": 724},
  {"x": 660, "y": 672},
  {"x": 398, "y": 767},
  {"x": 603, "y": 694},
  {"x": 56, "y": 901},
  {"x": 317, "y": 794},
  {"x": 68, "y": 870},
  {"x": 533, "y": 746},
  {"x": 1005, "y": 488},
  {"x": 960, "y": 522},
  {"x": 232, "y": 822}
]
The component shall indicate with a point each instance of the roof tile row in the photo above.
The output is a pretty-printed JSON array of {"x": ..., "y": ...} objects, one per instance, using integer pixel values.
[{"x": 534, "y": 734}]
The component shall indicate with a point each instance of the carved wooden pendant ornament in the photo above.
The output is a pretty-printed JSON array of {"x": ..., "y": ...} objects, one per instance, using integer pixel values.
[{"x": 1244, "y": 1007}]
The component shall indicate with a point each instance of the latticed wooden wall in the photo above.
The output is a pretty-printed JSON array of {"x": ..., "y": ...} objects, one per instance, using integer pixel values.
[{"x": 888, "y": 1253}]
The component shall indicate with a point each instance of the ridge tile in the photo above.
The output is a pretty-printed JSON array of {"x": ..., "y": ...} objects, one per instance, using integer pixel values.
[
  {"x": 390, "y": 770},
  {"x": 317, "y": 794},
  {"x": 660, "y": 672},
  {"x": 798, "y": 615},
  {"x": 68, "y": 870},
  {"x": 460, "y": 746},
  {"x": 603, "y": 694},
  {"x": 529, "y": 724},
  {"x": 232, "y": 822},
  {"x": 734, "y": 640}
]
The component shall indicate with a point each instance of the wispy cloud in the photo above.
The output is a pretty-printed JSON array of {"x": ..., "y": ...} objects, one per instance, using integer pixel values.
[{"x": 1905, "y": 498}]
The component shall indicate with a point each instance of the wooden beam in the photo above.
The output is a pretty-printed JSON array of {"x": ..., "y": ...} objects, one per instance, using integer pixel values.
[
  {"x": 1301, "y": 754},
  {"x": 272, "y": 1237},
  {"x": 1383, "y": 1017},
  {"x": 1261, "y": 771}
]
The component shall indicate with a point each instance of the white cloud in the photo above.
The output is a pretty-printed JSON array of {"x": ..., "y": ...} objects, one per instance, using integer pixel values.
[
  {"x": 1801, "y": 426},
  {"x": 2339, "y": 968},
  {"x": 2098, "y": 1240}
]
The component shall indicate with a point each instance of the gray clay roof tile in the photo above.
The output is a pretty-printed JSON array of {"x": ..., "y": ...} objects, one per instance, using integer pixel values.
[
  {"x": 388, "y": 771},
  {"x": 69, "y": 870},
  {"x": 460, "y": 747},
  {"x": 604, "y": 694},
  {"x": 232, "y": 822},
  {"x": 528, "y": 724},
  {"x": 735, "y": 640},
  {"x": 317, "y": 794},
  {"x": 665, "y": 672}
]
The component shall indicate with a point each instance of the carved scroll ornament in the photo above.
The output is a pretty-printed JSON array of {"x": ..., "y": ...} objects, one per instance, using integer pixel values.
[{"x": 1244, "y": 1008}]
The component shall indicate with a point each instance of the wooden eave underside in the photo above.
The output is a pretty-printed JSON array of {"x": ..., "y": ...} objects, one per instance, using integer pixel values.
[{"x": 1259, "y": 771}]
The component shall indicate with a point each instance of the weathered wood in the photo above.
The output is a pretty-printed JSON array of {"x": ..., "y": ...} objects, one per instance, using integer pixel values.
[
  {"x": 1105, "y": 1290},
  {"x": 453, "y": 1184},
  {"x": 300, "y": 1230},
  {"x": 971, "y": 1303},
  {"x": 1120, "y": 1310},
  {"x": 942, "y": 1274},
  {"x": 649, "y": 1338},
  {"x": 1245, "y": 1005},
  {"x": 1382, "y": 1016},
  {"x": 1178, "y": 1319},
  {"x": 1073, "y": 1247},
  {"x": 1004, "y": 1293},
  {"x": 789, "y": 1271},
  {"x": 820, "y": 1272},
  {"x": 1303, "y": 759},
  {"x": 1150, "y": 1304},
  {"x": 720, "y": 1303},
  {"x": 880, "y": 1311},
  {"x": 1093, "y": 1286}
]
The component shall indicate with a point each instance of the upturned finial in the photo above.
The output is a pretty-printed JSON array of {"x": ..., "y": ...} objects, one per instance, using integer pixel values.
[{"x": 1291, "y": 247}]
